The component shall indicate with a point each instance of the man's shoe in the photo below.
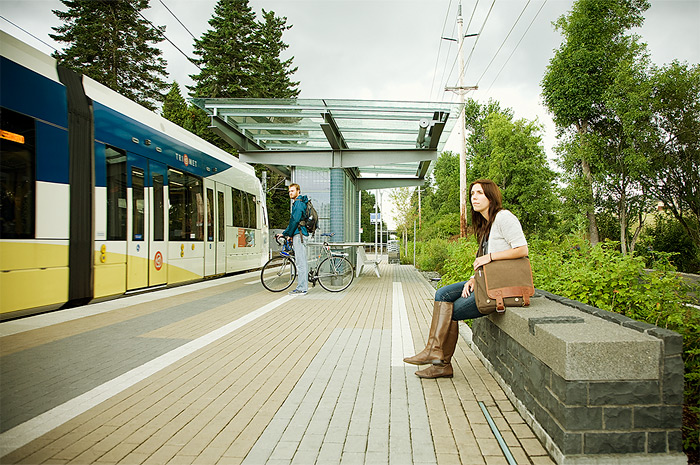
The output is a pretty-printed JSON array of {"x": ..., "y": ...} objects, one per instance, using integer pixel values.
[{"x": 297, "y": 292}]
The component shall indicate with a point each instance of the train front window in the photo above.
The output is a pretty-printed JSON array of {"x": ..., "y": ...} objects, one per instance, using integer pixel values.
[
  {"x": 137, "y": 209},
  {"x": 186, "y": 212},
  {"x": 116, "y": 194},
  {"x": 17, "y": 175}
]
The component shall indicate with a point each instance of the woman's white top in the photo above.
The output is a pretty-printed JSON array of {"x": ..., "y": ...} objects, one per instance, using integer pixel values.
[{"x": 506, "y": 233}]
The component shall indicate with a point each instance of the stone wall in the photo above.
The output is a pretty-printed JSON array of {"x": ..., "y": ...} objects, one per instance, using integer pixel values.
[{"x": 597, "y": 387}]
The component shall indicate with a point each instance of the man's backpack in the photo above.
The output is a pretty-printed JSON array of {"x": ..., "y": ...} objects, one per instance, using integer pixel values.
[{"x": 310, "y": 219}]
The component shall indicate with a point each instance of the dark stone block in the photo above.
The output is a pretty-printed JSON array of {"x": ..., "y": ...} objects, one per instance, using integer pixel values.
[
  {"x": 571, "y": 444},
  {"x": 570, "y": 392},
  {"x": 656, "y": 442},
  {"x": 640, "y": 326},
  {"x": 673, "y": 380},
  {"x": 549, "y": 295},
  {"x": 617, "y": 418},
  {"x": 582, "y": 418},
  {"x": 673, "y": 342},
  {"x": 533, "y": 322},
  {"x": 552, "y": 404},
  {"x": 663, "y": 417},
  {"x": 526, "y": 398},
  {"x": 614, "y": 443},
  {"x": 538, "y": 373},
  {"x": 615, "y": 318},
  {"x": 624, "y": 393},
  {"x": 675, "y": 441}
]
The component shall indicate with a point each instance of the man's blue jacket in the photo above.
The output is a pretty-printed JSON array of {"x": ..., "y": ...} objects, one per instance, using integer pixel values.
[{"x": 298, "y": 210}]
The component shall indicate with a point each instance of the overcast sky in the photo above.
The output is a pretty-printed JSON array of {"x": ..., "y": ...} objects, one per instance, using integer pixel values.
[{"x": 392, "y": 49}]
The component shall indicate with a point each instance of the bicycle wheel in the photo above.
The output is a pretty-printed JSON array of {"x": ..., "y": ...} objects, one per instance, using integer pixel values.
[
  {"x": 278, "y": 274},
  {"x": 335, "y": 274}
]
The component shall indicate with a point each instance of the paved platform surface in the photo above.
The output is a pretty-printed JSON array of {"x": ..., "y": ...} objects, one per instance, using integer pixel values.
[{"x": 224, "y": 372}]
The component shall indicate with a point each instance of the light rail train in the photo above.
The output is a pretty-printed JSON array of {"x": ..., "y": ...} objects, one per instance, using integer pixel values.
[{"x": 101, "y": 197}]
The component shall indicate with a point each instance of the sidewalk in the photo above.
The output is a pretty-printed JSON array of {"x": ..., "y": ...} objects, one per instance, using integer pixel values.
[{"x": 224, "y": 372}]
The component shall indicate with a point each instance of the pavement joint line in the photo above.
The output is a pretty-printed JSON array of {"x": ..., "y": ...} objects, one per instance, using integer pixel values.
[
  {"x": 26, "y": 432},
  {"x": 401, "y": 336},
  {"x": 8, "y": 328}
]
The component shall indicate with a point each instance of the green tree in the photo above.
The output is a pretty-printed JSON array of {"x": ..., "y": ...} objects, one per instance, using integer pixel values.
[
  {"x": 174, "y": 106},
  {"x": 112, "y": 43},
  {"x": 440, "y": 200},
  {"x": 273, "y": 74},
  {"x": 240, "y": 58},
  {"x": 617, "y": 144},
  {"x": 673, "y": 153},
  {"x": 579, "y": 74},
  {"x": 228, "y": 53},
  {"x": 518, "y": 164}
]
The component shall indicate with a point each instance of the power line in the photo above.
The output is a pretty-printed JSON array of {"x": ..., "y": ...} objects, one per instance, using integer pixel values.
[
  {"x": 178, "y": 19},
  {"x": 516, "y": 46},
  {"x": 503, "y": 43},
  {"x": 437, "y": 58},
  {"x": 164, "y": 36},
  {"x": 27, "y": 32},
  {"x": 466, "y": 65}
]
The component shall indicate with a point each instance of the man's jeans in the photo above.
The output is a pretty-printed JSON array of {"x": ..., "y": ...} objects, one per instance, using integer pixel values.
[
  {"x": 302, "y": 263},
  {"x": 464, "y": 308}
]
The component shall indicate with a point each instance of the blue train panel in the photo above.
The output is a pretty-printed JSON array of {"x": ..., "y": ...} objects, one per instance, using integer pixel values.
[
  {"x": 118, "y": 130},
  {"x": 32, "y": 94},
  {"x": 52, "y": 161}
]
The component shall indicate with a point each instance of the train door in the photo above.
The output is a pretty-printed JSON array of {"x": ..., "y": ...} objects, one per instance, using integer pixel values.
[
  {"x": 157, "y": 245},
  {"x": 137, "y": 223},
  {"x": 221, "y": 228},
  {"x": 210, "y": 233}
]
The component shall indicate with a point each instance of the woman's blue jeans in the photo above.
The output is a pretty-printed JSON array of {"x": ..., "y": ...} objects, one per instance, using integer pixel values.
[{"x": 464, "y": 308}]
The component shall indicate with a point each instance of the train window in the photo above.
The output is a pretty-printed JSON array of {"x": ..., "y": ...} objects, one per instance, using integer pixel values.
[
  {"x": 158, "y": 215},
  {"x": 210, "y": 214},
  {"x": 137, "y": 205},
  {"x": 252, "y": 213},
  {"x": 186, "y": 206},
  {"x": 116, "y": 194},
  {"x": 17, "y": 175},
  {"x": 222, "y": 220},
  {"x": 239, "y": 218}
]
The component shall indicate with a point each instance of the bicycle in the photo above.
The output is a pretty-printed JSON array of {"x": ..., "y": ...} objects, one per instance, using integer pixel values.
[{"x": 334, "y": 273}]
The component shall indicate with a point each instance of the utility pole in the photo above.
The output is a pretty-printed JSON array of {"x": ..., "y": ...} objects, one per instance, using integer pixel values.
[{"x": 461, "y": 90}]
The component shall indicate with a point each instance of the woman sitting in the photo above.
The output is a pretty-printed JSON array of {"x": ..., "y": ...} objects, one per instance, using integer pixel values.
[{"x": 500, "y": 237}]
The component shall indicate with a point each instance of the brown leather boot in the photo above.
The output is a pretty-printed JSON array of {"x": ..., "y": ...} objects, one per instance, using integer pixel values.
[
  {"x": 424, "y": 356},
  {"x": 442, "y": 368}
]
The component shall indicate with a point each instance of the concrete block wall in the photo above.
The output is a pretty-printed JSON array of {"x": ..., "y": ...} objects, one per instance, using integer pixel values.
[{"x": 598, "y": 387}]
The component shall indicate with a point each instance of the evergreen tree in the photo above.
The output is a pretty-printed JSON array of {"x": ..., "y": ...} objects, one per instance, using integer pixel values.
[
  {"x": 110, "y": 42},
  {"x": 228, "y": 53},
  {"x": 274, "y": 75},
  {"x": 240, "y": 58},
  {"x": 174, "y": 106}
]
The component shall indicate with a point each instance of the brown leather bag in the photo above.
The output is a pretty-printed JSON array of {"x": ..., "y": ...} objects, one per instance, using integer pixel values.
[{"x": 503, "y": 283}]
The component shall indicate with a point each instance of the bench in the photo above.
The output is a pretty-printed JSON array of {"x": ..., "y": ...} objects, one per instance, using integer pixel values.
[
  {"x": 595, "y": 386},
  {"x": 363, "y": 260}
]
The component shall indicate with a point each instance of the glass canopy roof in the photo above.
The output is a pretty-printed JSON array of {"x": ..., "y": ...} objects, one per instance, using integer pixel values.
[{"x": 383, "y": 129}]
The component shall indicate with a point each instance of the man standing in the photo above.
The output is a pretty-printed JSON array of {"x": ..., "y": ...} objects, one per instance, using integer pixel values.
[{"x": 297, "y": 233}]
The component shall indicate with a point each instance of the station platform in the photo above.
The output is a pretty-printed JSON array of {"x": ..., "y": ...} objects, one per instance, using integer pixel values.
[{"x": 225, "y": 372}]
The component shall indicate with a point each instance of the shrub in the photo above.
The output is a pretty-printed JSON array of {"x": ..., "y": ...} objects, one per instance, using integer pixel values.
[{"x": 668, "y": 236}]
